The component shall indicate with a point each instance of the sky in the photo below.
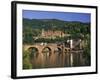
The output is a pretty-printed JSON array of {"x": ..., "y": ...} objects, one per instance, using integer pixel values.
[{"x": 65, "y": 16}]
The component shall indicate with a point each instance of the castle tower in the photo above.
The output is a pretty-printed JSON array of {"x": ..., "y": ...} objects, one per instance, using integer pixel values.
[{"x": 42, "y": 34}]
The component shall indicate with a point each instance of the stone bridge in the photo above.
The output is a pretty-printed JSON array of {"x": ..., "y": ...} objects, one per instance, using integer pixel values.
[
  {"x": 40, "y": 47},
  {"x": 54, "y": 60}
]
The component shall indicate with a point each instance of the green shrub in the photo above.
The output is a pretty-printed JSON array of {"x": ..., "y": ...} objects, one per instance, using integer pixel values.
[{"x": 26, "y": 60}]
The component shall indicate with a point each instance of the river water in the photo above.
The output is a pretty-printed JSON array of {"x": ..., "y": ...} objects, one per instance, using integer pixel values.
[{"x": 58, "y": 58}]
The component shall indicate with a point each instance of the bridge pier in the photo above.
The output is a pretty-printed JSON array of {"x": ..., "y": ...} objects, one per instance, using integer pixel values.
[
  {"x": 39, "y": 61},
  {"x": 52, "y": 59},
  {"x": 63, "y": 56}
]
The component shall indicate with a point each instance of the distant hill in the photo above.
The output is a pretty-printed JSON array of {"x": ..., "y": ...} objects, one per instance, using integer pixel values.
[{"x": 51, "y": 24}]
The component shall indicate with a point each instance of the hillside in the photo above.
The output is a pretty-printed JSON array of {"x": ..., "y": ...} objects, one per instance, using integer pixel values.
[
  {"x": 52, "y": 24},
  {"x": 33, "y": 28}
]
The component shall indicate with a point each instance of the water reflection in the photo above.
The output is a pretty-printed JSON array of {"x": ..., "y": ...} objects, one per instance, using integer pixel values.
[
  {"x": 58, "y": 58},
  {"x": 46, "y": 55}
]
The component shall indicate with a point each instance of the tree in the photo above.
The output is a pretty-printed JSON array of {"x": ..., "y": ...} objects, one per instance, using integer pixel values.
[
  {"x": 87, "y": 50},
  {"x": 26, "y": 60}
]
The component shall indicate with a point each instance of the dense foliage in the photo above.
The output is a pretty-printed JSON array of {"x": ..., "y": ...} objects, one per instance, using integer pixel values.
[
  {"x": 33, "y": 27},
  {"x": 26, "y": 60}
]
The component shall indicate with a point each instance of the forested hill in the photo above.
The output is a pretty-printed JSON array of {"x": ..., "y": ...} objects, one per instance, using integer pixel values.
[
  {"x": 33, "y": 27},
  {"x": 53, "y": 24}
]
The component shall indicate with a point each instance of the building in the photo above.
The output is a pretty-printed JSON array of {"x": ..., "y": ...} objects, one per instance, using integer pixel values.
[{"x": 52, "y": 34}]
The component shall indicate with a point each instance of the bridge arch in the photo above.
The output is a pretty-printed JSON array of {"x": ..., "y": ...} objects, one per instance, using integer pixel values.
[
  {"x": 47, "y": 50},
  {"x": 33, "y": 49},
  {"x": 57, "y": 50},
  {"x": 33, "y": 52}
]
